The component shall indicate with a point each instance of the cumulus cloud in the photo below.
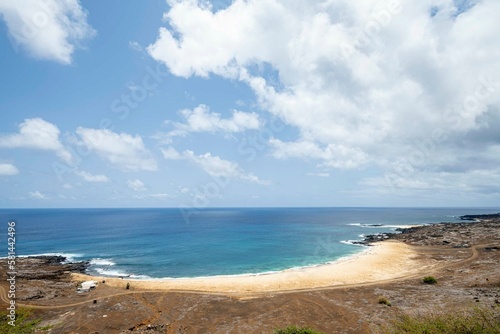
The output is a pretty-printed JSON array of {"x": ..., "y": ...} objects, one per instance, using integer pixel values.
[
  {"x": 8, "y": 169},
  {"x": 200, "y": 119},
  {"x": 337, "y": 156},
  {"x": 214, "y": 165},
  {"x": 136, "y": 185},
  {"x": 121, "y": 149},
  {"x": 365, "y": 83},
  {"x": 49, "y": 29},
  {"x": 36, "y": 133},
  {"x": 90, "y": 177},
  {"x": 170, "y": 153}
]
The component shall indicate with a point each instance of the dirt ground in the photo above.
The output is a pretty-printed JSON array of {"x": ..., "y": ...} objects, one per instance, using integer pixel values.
[{"x": 467, "y": 258}]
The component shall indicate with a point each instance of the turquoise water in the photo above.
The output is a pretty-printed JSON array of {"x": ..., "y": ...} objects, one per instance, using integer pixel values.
[{"x": 157, "y": 243}]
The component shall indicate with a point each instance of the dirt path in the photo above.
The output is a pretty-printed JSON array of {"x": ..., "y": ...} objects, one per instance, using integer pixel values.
[{"x": 474, "y": 255}]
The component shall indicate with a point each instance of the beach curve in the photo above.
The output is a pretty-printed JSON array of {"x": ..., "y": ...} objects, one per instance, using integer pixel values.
[{"x": 381, "y": 261}]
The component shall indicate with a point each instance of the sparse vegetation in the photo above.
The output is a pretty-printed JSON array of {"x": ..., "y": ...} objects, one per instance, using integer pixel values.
[
  {"x": 24, "y": 322},
  {"x": 384, "y": 301},
  {"x": 472, "y": 321},
  {"x": 296, "y": 330},
  {"x": 429, "y": 280}
]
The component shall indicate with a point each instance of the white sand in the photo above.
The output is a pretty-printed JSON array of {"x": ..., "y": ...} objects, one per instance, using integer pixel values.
[{"x": 383, "y": 261}]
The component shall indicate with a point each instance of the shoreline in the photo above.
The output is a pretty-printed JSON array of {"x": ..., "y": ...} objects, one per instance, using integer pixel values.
[
  {"x": 381, "y": 261},
  {"x": 137, "y": 277},
  {"x": 365, "y": 242},
  {"x": 343, "y": 296}
]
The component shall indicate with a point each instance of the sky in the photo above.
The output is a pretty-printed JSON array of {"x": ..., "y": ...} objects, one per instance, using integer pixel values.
[{"x": 255, "y": 103}]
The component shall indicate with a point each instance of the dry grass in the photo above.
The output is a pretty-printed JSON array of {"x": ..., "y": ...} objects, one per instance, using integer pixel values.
[{"x": 478, "y": 320}]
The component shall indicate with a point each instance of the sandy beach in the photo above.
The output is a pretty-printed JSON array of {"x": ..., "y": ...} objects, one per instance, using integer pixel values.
[{"x": 379, "y": 262}]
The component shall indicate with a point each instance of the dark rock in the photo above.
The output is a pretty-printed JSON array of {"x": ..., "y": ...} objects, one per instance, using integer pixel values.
[
  {"x": 31, "y": 294},
  {"x": 78, "y": 267},
  {"x": 475, "y": 217},
  {"x": 457, "y": 235},
  {"x": 50, "y": 259},
  {"x": 47, "y": 267}
]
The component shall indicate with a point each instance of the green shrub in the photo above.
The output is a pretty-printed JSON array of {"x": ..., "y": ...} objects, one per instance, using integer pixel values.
[
  {"x": 472, "y": 321},
  {"x": 429, "y": 280},
  {"x": 296, "y": 330},
  {"x": 24, "y": 323},
  {"x": 384, "y": 301}
]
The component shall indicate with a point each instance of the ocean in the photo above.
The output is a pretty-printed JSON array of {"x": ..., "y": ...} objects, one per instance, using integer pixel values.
[{"x": 175, "y": 243}]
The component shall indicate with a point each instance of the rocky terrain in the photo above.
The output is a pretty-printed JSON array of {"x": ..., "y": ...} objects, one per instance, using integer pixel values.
[
  {"x": 47, "y": 267},
  {"x": 481, "y": 217},
  {"x": 45, "y": 277},
  {"x": 466, "y": 264},
  {"x": 457, "y": 235}
]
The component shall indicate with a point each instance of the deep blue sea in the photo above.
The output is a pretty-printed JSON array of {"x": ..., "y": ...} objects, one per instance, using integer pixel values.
[{"x": 158, "y": 243}]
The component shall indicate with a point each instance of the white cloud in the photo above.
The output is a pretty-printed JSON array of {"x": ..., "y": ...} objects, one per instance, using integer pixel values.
[
  {"x": 208, "y": 42},
  {"x": 214, "y": 165},
  {"x": 90, "y": 177},
  {"x": 136, "y": 185},
  {"x": 200, "y": 119},
  {"x": 433, "y": 183},
  {"x": 363, "y": 82},
  {"x": 67, "y": 186},
  {"x": 161, "y": 196},
  {"x": 120, "y": 149},
  {"x": 37, "y": 133},
  {"x": 217, "y": 167},
  {"x": 49, "y": 29},
  {"x": 37, "y": 195},
  {"x": 171, "y": 154},
  {"x": 8, "y": 169},
  {"x": 332, "y": 155}
]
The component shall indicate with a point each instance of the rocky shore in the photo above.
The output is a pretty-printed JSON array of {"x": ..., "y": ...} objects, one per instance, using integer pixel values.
[
  {"x": 481, "y": 217},
  {"x": 456, "y": 235},
  {"x": 46, "y": 277},
  {"x": 47, "y": 267}
]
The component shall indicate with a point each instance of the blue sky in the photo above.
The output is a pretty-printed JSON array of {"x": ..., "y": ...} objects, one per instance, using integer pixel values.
[{"x": 249, "y": 103}]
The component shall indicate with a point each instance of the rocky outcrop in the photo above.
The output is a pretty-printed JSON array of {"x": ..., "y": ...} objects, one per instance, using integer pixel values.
[
  {"x": 481, "y": 217},
  {"x": 44, "y": 277},
  {"x": 47, "y": 267},
  {"x": 456, "y": 235}
]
